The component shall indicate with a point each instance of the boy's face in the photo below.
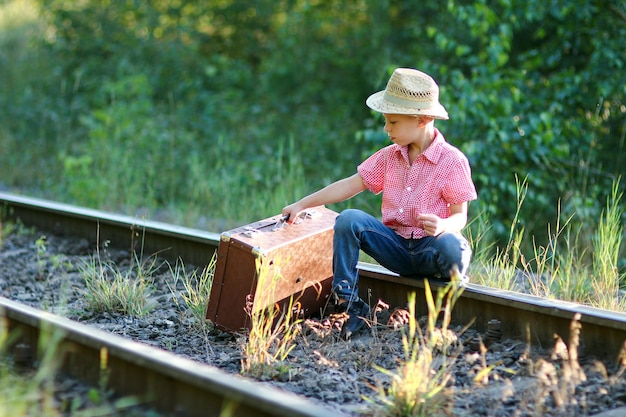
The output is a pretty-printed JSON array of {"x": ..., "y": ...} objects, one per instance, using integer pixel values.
[{"x": 404, "y": 129}]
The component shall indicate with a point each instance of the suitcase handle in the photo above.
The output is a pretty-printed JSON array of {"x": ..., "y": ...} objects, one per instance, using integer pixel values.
[
  {"x": 280, "y": 223},
  {"x": 251, "y": 232},
  {"x": 305, "y": 214}
]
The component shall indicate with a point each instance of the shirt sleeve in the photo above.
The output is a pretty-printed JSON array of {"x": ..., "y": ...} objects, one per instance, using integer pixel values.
[
  {"x": 459, "y": 187},
  {"x": 372, "y": 171}
]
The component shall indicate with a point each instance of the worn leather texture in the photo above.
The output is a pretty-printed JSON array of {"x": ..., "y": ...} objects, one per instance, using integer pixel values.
[{"x": 295, "y": 258}]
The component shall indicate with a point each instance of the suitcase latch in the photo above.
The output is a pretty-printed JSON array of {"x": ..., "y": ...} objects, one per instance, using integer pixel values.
[{"x": 250, "y": 232}]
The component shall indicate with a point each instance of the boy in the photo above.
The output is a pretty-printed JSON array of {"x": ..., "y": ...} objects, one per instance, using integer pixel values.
[{"x": 426, "y": 185}]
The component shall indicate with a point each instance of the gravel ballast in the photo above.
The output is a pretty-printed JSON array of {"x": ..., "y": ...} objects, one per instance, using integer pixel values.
[{"x": 505, "y": 378}]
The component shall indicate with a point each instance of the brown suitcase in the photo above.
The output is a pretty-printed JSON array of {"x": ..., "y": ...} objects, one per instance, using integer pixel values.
[{"x": 302, "y": 252}]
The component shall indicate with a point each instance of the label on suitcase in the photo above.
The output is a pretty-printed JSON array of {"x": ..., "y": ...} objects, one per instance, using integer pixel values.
[{"x": 297, "y": 255}]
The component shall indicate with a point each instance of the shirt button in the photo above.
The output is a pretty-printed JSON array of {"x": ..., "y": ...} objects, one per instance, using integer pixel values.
[
  {"x": 408, "y": 188},
  {"x": 401, "y": 210}
]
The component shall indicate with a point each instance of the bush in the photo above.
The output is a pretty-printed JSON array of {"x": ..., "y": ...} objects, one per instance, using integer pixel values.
[{"x": 230, "y": 110}]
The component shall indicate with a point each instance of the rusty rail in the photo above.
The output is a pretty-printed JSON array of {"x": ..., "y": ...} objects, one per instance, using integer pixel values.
[{"x": 528, "y": 318}]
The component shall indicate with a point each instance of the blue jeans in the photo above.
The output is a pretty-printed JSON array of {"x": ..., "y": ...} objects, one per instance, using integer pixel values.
[{"x": 427, "y": 257}]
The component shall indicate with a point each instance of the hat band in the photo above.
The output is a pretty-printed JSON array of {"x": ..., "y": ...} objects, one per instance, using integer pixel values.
[{"x": 406, "y": 103}]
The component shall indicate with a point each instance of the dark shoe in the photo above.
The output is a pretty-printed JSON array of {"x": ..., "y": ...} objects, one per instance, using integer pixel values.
[{"x": 357, "y": 312}]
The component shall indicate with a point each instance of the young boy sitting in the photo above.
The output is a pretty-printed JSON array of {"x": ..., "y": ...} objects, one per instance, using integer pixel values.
[{"x": 426, "y": 185}]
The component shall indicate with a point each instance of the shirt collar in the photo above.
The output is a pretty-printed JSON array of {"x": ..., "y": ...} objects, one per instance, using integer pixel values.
[{"x": 432, "y": 153}]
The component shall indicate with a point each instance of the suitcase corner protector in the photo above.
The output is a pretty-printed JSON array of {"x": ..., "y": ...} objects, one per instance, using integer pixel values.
[{"x": 258, "y": 252}]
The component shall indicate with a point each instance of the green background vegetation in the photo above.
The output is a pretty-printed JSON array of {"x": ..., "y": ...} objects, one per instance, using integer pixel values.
[{"x": 217, "y": 113}]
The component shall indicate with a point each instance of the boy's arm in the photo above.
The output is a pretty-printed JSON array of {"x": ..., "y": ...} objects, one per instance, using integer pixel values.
[
  {"x": 434, "y": 225},
  {"x": 334, "y": 193}
]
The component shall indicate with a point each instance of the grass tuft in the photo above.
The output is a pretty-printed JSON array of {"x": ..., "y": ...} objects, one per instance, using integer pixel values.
[
  {"x": 606, "y": 249},
  {"x": 558, "y": 381},
  {"x": 111, "y": 289},
  {"x": 273, "y": 328},
  {"x": 419, "y": 385},
  {"x": 196, "y": 289},
  {"x": 564, "y": 268},
  {"x": 499, "y": 269}
]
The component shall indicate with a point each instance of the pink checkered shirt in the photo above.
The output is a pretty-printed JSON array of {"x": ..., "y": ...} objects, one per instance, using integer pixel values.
[{"x": 439, "y": 177}]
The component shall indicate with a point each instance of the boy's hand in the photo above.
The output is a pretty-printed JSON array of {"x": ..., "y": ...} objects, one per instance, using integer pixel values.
[
  {"x": 432, "y": 224},
  {"x": 292, "y": 210}
]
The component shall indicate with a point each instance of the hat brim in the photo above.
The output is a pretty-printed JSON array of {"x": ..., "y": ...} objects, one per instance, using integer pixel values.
[{"x": 378, "y": 103}]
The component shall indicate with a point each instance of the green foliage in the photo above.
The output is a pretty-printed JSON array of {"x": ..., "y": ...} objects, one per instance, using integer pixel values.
[
  {"x": 534, "y": 102},
  {"x": 229, "y": 110},
  {"x": 139, "y": 167}
]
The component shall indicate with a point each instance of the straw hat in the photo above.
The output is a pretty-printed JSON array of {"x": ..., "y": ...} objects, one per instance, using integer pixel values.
[{"x": 409, "y": 91}]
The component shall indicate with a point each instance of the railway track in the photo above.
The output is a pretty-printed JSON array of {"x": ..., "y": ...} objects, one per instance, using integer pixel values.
[{"x": 167, "y": 379}]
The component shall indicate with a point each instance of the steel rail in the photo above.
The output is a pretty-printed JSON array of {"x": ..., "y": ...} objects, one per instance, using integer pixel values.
[
  {"x": 122, "y": 232},
  {"x": 157, "y": 378},
  {"x": 528, "y": 318},
  {"x": 523, "y": 317}
]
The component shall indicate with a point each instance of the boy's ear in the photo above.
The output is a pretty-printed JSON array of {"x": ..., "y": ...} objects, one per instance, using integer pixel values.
[{"x": 424, "y": 120}]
